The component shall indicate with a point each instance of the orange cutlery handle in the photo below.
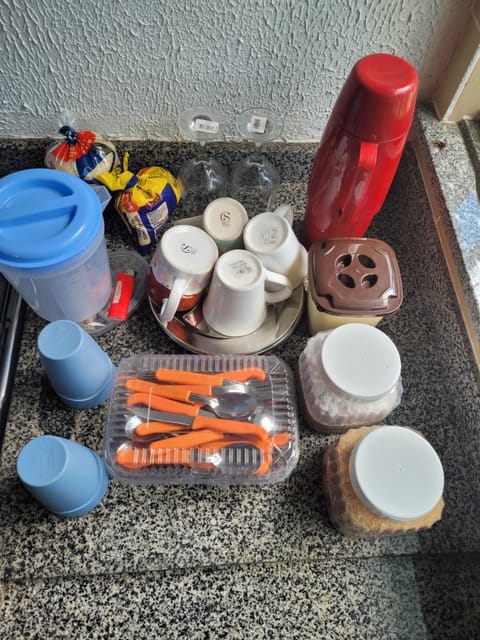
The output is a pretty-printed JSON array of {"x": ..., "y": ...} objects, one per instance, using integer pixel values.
[
  {"x": 186, "y": 440},
  {"x": 140, "y": 457},
  {"x": 163, "y": 404},
  {"x": 194, "y": 377},
  {"x": 281, "y": 439},
  {"x": 144, "y": 429},
  {"x": 236, "y": 427},
  {"x": 172, "y": 391},
  {"x": 264, "y": 448},
  {"x": 277, "y": 440},
  {"x": 266, "y": 464},
  {"x": 246, "y": 430}
]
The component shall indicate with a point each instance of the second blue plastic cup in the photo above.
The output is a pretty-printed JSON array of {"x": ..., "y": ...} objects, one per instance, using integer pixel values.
[
  {"x": 66, "y": 477},
  {"x": 80, "y": 372}
]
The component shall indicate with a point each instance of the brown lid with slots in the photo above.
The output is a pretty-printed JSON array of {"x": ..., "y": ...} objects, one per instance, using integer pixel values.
[{"x": 354, "y": 276}]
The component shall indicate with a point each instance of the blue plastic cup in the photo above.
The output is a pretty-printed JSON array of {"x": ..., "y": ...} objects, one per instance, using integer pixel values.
[
  {"x": 80, "y": 372},
  {"x": 66, "y": 477}
]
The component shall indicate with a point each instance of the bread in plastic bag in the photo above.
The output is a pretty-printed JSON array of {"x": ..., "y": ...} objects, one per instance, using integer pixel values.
[{"x": 82, "y": 153}]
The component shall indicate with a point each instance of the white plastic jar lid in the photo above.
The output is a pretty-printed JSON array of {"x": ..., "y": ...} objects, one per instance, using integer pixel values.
[
  {"x": 361, "y": 360},
  {"x": 396, "y": 473}
]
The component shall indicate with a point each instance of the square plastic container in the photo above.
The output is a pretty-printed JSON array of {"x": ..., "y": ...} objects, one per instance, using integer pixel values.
[
  {"x": 142, "y": 447},
  {"x": 351, "y": 280}
]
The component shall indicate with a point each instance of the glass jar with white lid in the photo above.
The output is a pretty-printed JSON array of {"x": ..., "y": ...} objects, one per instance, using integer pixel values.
[
  {"x": 349, "y": 377},
  {"x": 382, "y": 481}
]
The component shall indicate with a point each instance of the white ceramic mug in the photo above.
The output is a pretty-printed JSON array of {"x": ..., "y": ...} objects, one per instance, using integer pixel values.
[
  {"x": 236, "y": 302},
  {"x": 224, "y": 220},
  {"x": 181, "y": 269},
  {"x": 271, "y": 238}
]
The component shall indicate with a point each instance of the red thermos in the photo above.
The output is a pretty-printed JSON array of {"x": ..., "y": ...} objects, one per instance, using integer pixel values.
[{"x": 360, "y": 148}]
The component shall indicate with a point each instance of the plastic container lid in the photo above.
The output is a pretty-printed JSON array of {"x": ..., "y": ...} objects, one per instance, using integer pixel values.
[
  {"x": 47, "y": 217},
  {"x": 377, "y": 101},
  {"x": 354, "y": 277},
  {"x": 396, "y": 473},
  {"x": 219, "y": 457},
  {"x": 361, "y": 360}
]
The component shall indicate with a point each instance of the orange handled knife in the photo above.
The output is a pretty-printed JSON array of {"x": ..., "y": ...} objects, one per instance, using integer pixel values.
[
  {"x": 173, "y": 391},
  {"x": 193, "y": 377}
]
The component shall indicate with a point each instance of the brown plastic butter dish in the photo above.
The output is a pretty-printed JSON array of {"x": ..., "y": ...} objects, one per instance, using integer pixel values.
[{"x": 351, "y": 280}]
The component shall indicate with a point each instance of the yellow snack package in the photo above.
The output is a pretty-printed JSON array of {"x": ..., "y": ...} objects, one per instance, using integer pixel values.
[{"x": 145, "y": 201}]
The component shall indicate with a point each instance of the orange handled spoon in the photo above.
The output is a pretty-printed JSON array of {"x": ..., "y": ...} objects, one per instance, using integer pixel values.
[{"x": 233, "y": 402}]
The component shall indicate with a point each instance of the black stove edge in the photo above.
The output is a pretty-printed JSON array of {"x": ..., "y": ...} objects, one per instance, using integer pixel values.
[{"x": 12, "y": 318}]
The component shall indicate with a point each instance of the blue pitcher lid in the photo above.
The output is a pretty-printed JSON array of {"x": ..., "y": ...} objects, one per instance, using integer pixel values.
[{"x": 46, "y": 217}]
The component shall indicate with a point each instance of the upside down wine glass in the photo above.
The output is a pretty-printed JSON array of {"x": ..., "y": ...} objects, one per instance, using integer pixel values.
[
  {"x": 254, "y": 179},
  {"x": 203, "y": 177}
]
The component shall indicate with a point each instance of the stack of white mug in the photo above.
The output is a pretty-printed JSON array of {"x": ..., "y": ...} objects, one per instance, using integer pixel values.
[{"x": 240, "y": 265}]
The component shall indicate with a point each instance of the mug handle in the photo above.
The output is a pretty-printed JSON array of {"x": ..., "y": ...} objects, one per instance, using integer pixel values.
[
  {"x": 285, "y": 211},
  {"x": 170, "y": 304},
  {"x": 272, "y": 297}
]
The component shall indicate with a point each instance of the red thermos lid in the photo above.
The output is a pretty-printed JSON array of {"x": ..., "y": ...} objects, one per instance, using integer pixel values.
[{"x": 377, "y": 101}]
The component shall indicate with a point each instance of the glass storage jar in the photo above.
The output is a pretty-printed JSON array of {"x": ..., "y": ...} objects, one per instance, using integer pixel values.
[
  {"x": 349, "y": 377},
  {"x": 382, "y": 481}
]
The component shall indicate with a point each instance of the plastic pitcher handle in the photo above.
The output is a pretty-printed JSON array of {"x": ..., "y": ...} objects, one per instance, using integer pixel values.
[
  {"x": 103, "y": 195},
  {"x": 272, "y": 297},
  {"x": 367, "y": 160},
  {"x": 170, "y": 304}
]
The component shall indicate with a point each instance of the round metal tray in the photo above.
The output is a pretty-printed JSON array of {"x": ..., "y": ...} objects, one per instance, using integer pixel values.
[{"x": 191, "y": 332}]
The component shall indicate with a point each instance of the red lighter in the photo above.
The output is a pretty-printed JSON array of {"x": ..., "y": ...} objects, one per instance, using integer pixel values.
[{"x": 122, "y": 295}]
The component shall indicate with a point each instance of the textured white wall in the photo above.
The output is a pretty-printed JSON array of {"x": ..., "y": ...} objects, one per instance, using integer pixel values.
[{"x": 127, "y": 68}]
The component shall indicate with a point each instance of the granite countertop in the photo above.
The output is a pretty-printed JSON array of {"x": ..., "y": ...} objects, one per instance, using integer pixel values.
[
  {"x": 254, "y": 562},
  {"x": 449, "y": 157}
]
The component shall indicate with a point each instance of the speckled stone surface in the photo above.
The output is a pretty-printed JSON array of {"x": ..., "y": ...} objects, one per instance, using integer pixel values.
[
  {"x": 451, "y": 154},
  {"x": 308, "y": 600},
  {"x": 254, "y": 562}
]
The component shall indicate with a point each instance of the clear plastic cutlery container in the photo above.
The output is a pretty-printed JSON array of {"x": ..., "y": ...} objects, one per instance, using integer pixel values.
[{"x": 191, "y": 419}]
